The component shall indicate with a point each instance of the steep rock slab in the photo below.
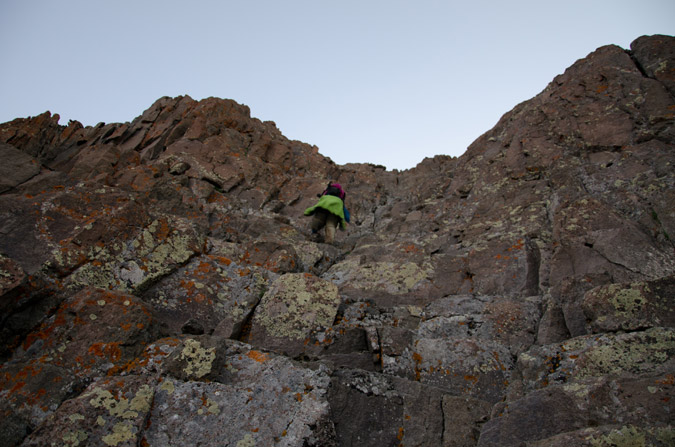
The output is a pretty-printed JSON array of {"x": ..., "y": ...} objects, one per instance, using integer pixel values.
[
  {"x": 111, "y": 411},
  {"x": 631, "y": 307},
  {"x": 464, "y": 344},
  {"x": 387, "y": 283},
  {"x": 637, "y": 354},
  {"x": 133, "y": 265},
  {"x": 25, "y": 300},
  {"x": 17, "y": 167},
  {"x": 256, "y": 398},
  {"x": 463, "y": 420},
  {"x": 295, "y": 304},
  {"x": 589, "y": 381},
  {"x": 29, "y": 392},
  {"x": 655, "y": 55},
  {"x": 210, "y": 294},
  {"x": 371, "y": 409},
  {"x": 611, "y": 435},
  {"x": 558, "y": 409},
  {"x": 92, "y": 333}
]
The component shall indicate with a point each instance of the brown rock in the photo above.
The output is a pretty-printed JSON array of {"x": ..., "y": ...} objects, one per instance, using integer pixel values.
[
  {"x": 17, "y": 167},
  {"x": 111, "y": 411}
]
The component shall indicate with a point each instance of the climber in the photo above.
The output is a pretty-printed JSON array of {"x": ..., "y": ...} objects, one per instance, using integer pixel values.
[{"x": 330, "y": 212}]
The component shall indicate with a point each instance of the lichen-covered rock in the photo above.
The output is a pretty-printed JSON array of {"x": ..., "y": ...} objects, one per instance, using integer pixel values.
[
  {"x": 630, "y": 307},
  {"x": 388, "y": 283},
  {"x": 191, "y": 358},
  {"x": 29, "y": 392},
  {"x": 212, "y": 291},
  {"x": 466, "y": 345},
  {"x": 110, "y": 412},
  {"x": 259, "y": 399},
  {"x": 612, "y": 435},
  {"x": 563, "y": 408},
  {"x": 91, "y": 334},
  {"x": 636, "y": 354},
  {"x": 655, "y": 55},
  {"x": 133, "y": 265},
  {"x": 294, "y": 305}
]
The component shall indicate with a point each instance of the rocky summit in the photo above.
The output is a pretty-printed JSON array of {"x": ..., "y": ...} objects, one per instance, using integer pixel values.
[{"x": 160, "y": 285}]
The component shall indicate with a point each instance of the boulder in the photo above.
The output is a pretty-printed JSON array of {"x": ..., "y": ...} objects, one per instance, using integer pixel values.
[
  {"x": 294, "y": 305},
  {"x": 255, "y": 398}
]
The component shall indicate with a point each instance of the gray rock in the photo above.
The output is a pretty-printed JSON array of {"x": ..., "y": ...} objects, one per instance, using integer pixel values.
[
  {"x": 257, "y": 399},
  {"x": 294, "y": 305}
]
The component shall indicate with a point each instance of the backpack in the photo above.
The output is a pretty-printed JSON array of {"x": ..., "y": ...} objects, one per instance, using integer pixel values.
[{"x": 334, "y": 189}]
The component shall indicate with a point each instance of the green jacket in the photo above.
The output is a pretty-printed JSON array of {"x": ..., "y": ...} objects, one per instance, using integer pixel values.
[{"x": 331, "y": 204}]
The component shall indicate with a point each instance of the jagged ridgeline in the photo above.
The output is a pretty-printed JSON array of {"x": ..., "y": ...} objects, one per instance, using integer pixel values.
[{"x": 160, "y": 286}]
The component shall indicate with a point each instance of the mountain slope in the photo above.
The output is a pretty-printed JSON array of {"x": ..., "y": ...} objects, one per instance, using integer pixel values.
[{"x": 160, "y": 285}]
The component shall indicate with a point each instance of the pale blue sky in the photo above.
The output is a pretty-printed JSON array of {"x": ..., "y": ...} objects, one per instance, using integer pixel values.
[{"x": 386, "y": 82}]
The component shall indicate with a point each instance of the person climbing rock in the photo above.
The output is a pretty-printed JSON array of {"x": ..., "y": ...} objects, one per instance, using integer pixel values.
[{"x": 330, "y": 212}]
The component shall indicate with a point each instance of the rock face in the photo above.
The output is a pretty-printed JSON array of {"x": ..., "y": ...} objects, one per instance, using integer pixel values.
[{"x": 159, "y": 284}]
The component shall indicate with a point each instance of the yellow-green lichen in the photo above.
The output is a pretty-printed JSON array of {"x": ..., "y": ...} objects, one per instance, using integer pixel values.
[
  {"x": 392, "y": 277},
  {"x": 634, "y": 353},
  {"x": 199, "y": 360},
  {"x": 210, "y": 406},
  {"x": 580, "y": 390},
  {"x": 626, "y": 301},
  {"x": 628, "y": 436},
  {"x": 294, "y": 305},
  {"x": 665, "y": 435},
  {"x": 142, "y": 400},
  {"x": 121, "y": 432},
  {"x": 74, "y": 438},
  {"x": 247, "y": 441},
  {"x": 76, "y": 417},
  {"x": 122, "y": 407},
  {"x": 131, "y": 266},
  {"x": 167, "y": 386}
]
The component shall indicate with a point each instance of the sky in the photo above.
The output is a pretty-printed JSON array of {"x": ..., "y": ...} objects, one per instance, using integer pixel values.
[{"x": 387, "y": 82}]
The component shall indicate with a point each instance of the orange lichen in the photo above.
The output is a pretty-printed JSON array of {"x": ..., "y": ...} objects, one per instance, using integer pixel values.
[
  {"x": 669, "y": 379},
  {"x": 111, "y": 351},
  {"x": 471, "y": 378},
  {"x": 418, "y": 359},
  {"x": 257, "y": 356}
]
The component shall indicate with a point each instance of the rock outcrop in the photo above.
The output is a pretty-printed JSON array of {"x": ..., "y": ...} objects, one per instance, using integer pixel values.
[{"x": 160, "y": 286}]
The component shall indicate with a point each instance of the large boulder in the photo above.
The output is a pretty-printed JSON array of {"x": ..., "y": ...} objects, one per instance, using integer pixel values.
[{"x": 294, "y": 305}]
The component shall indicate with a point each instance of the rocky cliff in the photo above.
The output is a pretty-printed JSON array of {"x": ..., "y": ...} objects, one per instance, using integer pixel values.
[{"x": 160, "y": 287}]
